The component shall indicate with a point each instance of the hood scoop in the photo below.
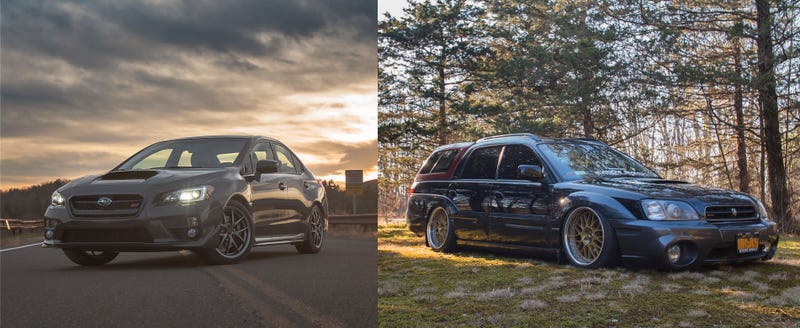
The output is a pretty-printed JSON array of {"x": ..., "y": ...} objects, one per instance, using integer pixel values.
[{"x": 128, "y": 175}]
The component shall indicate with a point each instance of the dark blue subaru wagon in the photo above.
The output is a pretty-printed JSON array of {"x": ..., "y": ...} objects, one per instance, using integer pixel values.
[{"x": 584, "y": 201}]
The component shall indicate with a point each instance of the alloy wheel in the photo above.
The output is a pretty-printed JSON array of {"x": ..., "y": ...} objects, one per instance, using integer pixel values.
[
  {"x": 437, "y": 228},
  {"x": 584, "y": 236},
  {"x": 234, "y": 233},
  {"x": 317, "y": 227}
]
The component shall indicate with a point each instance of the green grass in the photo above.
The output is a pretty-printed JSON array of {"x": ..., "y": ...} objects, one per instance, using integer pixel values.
[{"x": 421, "y": 288}]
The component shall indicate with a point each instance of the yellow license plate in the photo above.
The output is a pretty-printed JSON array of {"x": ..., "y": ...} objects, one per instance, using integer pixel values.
[{"x": 747, "y": 244}]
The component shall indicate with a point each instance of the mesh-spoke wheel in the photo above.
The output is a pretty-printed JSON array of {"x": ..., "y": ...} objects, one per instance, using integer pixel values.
[
  {"x": 588, "y": 241},
  {"x": 315, "y": 232},
  {"x": 234, "y": 233},
  {"x": 439, "y": 232}
]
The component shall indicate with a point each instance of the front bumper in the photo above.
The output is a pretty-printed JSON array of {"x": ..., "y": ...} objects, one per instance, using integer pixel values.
[
  {"x": 645, "y": 243},
  {"x": 154, "y": 228}
]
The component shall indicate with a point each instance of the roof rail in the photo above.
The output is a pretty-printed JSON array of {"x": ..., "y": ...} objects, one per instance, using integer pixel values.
[
  {"x": 529, "y": 135},
  {"x": 588, "y": 139}
]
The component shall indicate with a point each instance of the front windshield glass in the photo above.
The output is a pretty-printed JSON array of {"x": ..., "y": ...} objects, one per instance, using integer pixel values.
[
  {"x": 191, "y": 153},
  {"x": 574, "y": 161}
]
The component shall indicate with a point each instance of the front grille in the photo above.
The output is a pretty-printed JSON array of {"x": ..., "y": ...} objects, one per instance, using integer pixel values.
[
  {"x": 731, "y": 213},
  {"x": 106, "y": 235},
  {"x": 121, "y": 206}
]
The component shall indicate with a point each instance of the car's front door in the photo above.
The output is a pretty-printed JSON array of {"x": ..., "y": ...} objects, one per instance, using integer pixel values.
[
  {"x": 292, "y": 182},
  {"x": 520, "y": 206},
  {"x": 267, "y": 194},
  {"x": 471, "y": 192}
]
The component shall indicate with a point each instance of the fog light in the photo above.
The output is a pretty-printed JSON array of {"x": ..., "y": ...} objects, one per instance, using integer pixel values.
[
  {"x": 767, "y": 246},
  {"x": 48, "y": 234},
  {"x": 193, "y": 221},
  {"x": 191, "y": 233},
  {"x": 674, "y": 253}
]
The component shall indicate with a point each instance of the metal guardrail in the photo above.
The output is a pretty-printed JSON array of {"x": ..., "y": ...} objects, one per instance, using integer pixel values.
[{"x": 15, "y": 225}]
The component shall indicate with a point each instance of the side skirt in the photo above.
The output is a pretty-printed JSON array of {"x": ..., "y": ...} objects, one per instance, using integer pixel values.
[
  {"x": 509, "y": 247},
  {"x": 277, "y": 240}
]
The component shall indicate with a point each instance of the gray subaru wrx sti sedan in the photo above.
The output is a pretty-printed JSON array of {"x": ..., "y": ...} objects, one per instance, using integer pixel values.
[{"x": 217, "y": 196}]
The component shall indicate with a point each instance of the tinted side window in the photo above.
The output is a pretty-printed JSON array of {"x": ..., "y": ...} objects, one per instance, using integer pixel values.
[
  {"x": 482, "y": 163},
  {"x": 298, "y": 164},
  {"x": 430, "y": 162},
  {"x": 514, "y": 156},
  {"x": 261, "y": 151},
  {"x": 445, "y": 160},
  {"x": 284, "y": 158}
]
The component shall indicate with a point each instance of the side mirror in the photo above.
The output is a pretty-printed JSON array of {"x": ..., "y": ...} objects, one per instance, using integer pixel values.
[
  {"x": 266, "y": 166},
  {"x": 531, "y": 172}
]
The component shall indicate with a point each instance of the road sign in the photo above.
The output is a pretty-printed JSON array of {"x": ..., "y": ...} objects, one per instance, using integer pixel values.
[{"x": 354, "y": 182}]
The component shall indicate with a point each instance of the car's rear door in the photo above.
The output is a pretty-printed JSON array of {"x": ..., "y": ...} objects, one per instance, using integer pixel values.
[
  {"x": 471, "y": 192},
  {"x": 518, "y": 211}
]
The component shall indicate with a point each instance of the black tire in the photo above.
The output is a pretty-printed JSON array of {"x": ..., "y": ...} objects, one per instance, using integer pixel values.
[
  {"x": 235, "y": 236},
  {"x": 588, "y": 240},
  {"x": 439, "y": 234},
  {"x": 89, "y": 257},
  {"x": 315, "y": 232}
]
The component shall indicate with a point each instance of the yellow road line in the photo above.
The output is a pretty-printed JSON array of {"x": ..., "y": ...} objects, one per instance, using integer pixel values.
[
  {"x": 262, "y": 310},
  {"x": 317, "y": 318}
]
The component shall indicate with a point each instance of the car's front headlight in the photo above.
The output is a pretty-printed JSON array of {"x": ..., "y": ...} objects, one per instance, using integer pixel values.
[
  {"x": 188, "y": 195},
  {"x": 762, "y": 211},
  {"x": 56, "y": 199},
  {"x": 656, "y": 209}
]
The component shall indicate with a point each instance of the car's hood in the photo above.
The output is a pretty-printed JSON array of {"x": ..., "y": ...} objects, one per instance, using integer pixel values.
[
  {"x": 639, "y": 188},
  {"x": 142, "y": 181}
]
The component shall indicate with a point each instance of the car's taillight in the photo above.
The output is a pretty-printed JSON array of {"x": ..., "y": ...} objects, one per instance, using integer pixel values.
[{"x": 411, "y": 190}]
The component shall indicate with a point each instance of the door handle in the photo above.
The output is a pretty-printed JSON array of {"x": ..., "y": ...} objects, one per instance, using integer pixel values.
[{"x": 282, "y": 186}]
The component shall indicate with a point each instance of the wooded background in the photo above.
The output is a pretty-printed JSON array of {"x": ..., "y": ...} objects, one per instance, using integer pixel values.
[{"x": 703, "y": 91}]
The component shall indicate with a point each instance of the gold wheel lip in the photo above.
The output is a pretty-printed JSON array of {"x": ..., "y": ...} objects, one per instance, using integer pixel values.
[
  {"x": 573, "y": 249},
  {"x": 434, "y": 227}
]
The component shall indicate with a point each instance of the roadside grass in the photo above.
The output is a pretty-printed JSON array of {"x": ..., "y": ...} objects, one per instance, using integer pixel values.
[{"x": 475, "y": 288}]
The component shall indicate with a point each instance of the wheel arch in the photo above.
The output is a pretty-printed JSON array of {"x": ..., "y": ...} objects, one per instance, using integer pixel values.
[
  {"x": 437, "y": 201},
  {"x": 237, "y": 197},
  {"x": 608, "y": 207},
  {"x": 605, "y": 207}
]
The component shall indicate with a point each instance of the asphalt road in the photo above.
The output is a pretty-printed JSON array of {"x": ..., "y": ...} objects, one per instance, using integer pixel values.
[{"x": 274, "y": 287}]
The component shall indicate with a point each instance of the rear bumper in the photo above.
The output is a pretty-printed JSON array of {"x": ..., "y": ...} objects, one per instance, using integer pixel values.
[
  {"x": 156, "y": 228},
  {"x": 645, "y": 243}
]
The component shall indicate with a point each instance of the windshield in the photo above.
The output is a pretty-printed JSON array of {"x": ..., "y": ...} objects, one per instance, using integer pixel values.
[
  {"x": 191, "y": 153},
  {"x": 574, "y": 161}
]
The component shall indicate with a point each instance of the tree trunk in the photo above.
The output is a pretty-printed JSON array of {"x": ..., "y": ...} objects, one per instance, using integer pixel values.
[
  {"x": 442, "y": 106},
  {"x": 741, "y": 145},
  {"x": 768, "y": 98}
]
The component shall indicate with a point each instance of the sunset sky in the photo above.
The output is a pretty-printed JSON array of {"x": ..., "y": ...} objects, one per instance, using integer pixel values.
[{"x": 85, "y": 85}]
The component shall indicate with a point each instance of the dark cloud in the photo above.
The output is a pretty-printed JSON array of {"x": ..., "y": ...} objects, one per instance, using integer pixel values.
[{"x": 123, "y": 74}]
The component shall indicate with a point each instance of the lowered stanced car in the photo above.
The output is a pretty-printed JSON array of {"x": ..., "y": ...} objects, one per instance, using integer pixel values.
[
  {"x": 582, "y": 201},
  {"x": 217, "y": 196}
]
